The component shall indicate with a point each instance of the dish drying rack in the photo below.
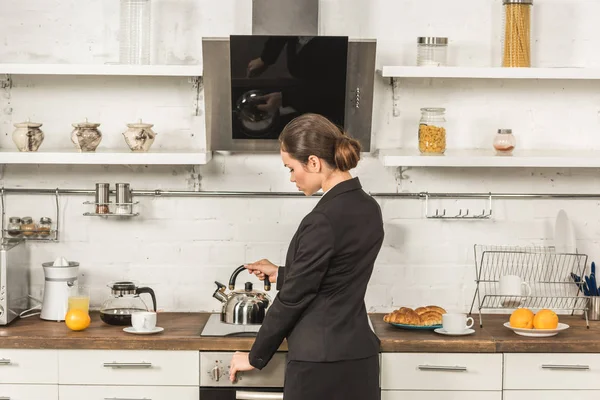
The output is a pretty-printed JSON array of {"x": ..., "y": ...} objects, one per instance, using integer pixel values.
[{"x": 547, "y": 272}]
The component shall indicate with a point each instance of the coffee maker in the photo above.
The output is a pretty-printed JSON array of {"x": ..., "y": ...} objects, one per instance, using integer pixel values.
[{"x": 60, "y": 280}]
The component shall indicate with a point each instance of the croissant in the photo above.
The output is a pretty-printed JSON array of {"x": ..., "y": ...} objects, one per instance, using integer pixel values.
[
  {"x": 431, "y": 318},
  {"x": 436, "y": 308},
  {"x": 421, "y": 310},
  {"x": 409, "y": 317}
]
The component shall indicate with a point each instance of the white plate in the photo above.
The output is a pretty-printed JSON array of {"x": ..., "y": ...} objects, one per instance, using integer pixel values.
[
  {"x": 442, "y": 331},
  {"x": 131, "y": 329},
  {"x": 538, "y": 332}
]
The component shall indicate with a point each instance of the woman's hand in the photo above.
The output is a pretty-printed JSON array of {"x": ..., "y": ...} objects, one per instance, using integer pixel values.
[
  {"x": 239, "y": 362},
  {"x": 263, "y": 268}
]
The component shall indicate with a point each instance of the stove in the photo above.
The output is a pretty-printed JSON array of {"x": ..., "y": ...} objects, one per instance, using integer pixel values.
[{"x": 214, "y": 327}]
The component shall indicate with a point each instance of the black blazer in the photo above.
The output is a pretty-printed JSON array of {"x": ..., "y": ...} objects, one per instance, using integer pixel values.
[{"x": 320, "y": 306}]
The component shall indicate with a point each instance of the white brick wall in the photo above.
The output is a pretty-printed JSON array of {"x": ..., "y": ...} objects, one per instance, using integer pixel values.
[{"x": 180, "y": 246}]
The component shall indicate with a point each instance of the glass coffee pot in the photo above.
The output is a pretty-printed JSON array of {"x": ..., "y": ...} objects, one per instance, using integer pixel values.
[{"x": 125, "y": 299}]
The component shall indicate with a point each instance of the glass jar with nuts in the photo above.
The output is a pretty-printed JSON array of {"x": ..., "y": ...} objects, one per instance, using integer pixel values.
[{"x": 432, "y": 131}]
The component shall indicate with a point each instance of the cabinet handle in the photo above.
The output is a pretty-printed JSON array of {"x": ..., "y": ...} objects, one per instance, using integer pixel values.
[
  {"x": 127, "y": 398},
  {"x": 4, "y": 398},
  {"x": 258, "y": 396},
  {"x": 455, "y": 368},
  {"x": 127, "y": 365},
  {"x": 5, "y": 361},
  {"x": 568, "y": 367}
]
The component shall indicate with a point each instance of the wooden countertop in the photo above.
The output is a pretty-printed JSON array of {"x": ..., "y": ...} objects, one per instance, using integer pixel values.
[{"x": 182, "y": 332}]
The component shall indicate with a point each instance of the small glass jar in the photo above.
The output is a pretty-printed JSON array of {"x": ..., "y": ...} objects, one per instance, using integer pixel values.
[
  {"x": 14, "y": 226},
  {"x": 28, "y": 228},
  {"x": 432, "y": 131},
  {"x": 432, "y": 51},
  {"x": 45, "y": 227},
  {"x": 504, "y": 142}
]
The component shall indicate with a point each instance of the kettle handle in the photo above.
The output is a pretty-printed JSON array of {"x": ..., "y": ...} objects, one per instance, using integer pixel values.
[
  {"x": 150, "y": 292},
  {"x": 237, "y": 272}
]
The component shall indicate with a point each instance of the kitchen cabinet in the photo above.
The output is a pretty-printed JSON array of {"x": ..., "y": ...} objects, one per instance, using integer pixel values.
[
  {"x": 440, "y": 395},
  {"x": 129, "y": 367},
  {"x": 550, "y": 394},
  {"x": 19, "y": 366},
  {"x": 28, "y": 392},
  {"x": 551, "y": 371},
  {"x": 441, "y": 371},
  {"x": 129, "y": 392}
]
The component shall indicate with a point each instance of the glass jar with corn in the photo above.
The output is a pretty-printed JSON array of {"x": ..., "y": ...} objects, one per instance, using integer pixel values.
[{"x": 432, "y": 131}]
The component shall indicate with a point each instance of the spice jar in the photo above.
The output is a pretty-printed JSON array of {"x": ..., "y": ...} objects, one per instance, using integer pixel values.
[
  {"x": 14, "y": 226},
  {"x": 432, "y": 131},
  {"x": 28, "y": 228},
  {"x": 504, "y": 142},
  {"x": 517, "y": 33},
  {"x": 432, "y": 51},
  {"x": 102, "y": 198},
  {"x": 45, "y": 227}
]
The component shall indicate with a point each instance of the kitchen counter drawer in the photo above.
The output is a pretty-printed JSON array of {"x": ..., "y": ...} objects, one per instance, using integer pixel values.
[
  {"x": 438, "y": 395},
  {"x": 129, "y": 367},
  {"x": 550, "y": 394},
  {"x": 129, "y": 393},
  {"x": 28, "y": 366},
  {"x": 441, "y": 371},
  {"x": 29, "y": 392},
  {"x": 551, "y": 371}
]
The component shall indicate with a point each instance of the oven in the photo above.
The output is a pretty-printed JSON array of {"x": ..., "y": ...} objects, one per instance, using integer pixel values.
[{"x": 266, "y": 384}]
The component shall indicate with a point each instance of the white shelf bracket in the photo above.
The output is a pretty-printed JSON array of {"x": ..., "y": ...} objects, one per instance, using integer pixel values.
[
  {"x": 195, "y": 179},
  {"x": 198, "y": 84},
  {"x": 395, "y": 82},
  {"x": 6, "y": 86},
  {"x": 6, "y": 82}
]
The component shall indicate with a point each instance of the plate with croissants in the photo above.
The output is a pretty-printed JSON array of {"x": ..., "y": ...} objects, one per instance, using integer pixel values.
[{"x": 422, "y": 318}]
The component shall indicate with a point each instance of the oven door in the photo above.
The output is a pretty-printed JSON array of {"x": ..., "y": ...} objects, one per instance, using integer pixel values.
[{"x": 241, "y": 394}]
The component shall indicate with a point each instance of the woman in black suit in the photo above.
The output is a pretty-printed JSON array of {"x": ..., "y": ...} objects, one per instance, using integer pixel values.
[{"x": 320, "y": 309}]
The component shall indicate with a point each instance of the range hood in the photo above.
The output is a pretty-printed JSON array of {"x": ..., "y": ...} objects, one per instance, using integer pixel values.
[{"x": 344, "y": 92}]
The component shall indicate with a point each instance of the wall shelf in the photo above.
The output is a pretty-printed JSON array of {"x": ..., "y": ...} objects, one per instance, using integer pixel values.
[
  {"x": 487, "y": 158},
  {"x": 489, "y": 72},
  {"x": 101, "y": 69},
  {"x": 105, "y": 157}
]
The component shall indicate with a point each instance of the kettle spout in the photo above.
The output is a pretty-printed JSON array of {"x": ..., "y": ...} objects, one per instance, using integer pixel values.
[{"x": 219, "y": 294}]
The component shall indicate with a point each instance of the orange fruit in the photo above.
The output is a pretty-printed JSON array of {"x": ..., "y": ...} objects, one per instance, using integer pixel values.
[
  {"x": 77, "y": 320},
  {"x": 522, "y": 318},
  {"x": 545, "y": 319}
]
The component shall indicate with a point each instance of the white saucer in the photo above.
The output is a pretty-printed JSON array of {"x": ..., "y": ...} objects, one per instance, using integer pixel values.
[
  {"x": 442, "y": 331},
  {"x": 131, "y": 329}
]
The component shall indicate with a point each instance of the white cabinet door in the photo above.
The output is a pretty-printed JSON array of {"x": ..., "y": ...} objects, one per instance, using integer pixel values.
[
  {"x": 129, "y": 367},
  {"x": 128, "y": 393},
  {"x": 440, "y": 395},
  {"x": 29, "y": 392},
  {"x": 551, "y": 394},
  {"x": 545, "y": 371},
  {"x": 28, "y": 366},
  {"x": 441, "y": 371}
]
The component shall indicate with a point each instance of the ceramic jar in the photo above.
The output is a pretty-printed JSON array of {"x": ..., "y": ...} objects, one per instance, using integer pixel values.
[
  {"x": 139, "y": 136},
  {"x": 28, "y": 136},
  {"x": 86, "y": 136}
]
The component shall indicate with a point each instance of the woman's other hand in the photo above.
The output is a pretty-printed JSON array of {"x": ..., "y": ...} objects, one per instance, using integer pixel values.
[{"x": 263, "y": 268}]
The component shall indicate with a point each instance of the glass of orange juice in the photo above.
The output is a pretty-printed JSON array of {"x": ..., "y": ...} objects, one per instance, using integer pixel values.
[{"x": 79, "y": 298}]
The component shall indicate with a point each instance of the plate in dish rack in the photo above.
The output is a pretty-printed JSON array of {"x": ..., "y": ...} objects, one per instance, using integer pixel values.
[
  {"x": 538, "y": 332},
  {"x": 415, "y": 327}
]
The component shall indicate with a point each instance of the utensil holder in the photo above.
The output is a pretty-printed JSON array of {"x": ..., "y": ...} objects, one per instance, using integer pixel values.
[{"x": 594, "y": 308}]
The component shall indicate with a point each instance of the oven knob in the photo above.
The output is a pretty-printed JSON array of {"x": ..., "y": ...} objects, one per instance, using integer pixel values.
[{"x": 216, "y": 373}]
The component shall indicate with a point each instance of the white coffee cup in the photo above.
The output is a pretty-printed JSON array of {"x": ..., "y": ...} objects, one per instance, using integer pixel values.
[
  {"x": 456, "y": 323},
  {"x": 143, "y": 320},
  {"x": 512, "y": 285}
]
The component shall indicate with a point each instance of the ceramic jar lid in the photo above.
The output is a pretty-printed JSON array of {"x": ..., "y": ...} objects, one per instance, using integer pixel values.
[
  {"x": 27, "y": 124},
  {"x": 140, "y": 124},
  {"x": 86, "y": 124}
]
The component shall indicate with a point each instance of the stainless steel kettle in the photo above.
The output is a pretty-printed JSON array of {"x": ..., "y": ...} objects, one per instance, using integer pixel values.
[{"x": 243, "y": 307}]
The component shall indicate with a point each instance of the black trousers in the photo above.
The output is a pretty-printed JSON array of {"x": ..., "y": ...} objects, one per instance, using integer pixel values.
[{"x": 340, "y": 380}]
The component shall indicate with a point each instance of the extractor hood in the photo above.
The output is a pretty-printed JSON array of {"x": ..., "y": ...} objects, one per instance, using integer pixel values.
[{"x": 255, "y": 84}]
